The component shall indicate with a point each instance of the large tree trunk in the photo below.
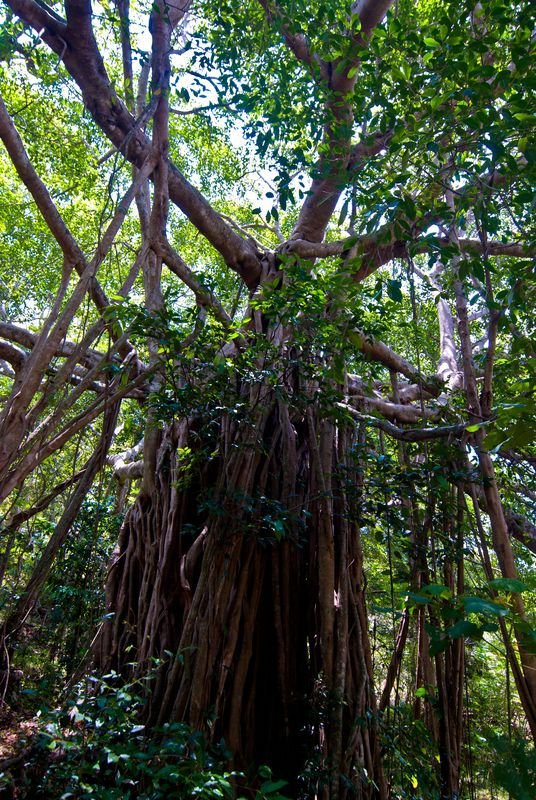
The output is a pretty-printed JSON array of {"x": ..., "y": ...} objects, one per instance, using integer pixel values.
[{"x": 243, "y": 575}]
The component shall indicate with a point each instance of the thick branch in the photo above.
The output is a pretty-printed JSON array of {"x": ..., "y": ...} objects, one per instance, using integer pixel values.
[
  {"x": 367, "y": 149},
  {"x": 370, "y": 12},
  {"x": 378, "y": 351},
  {"x": 521, "y": 529},
  {"x": 129, "y": 472},
  {"x": 24, "y": 337},
  {"x": 296, "y": 42},
  {"x": 395, "y": 411},
  {"x": 407, "y": 434},
  {"x": 332, "y": 169},
  {"x": 375, "y": 243},
  {"x": 13, "y": 355}
]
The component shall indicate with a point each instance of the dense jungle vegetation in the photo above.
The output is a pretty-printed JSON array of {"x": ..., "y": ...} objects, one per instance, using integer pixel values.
[{"x": 267, "y": 399}]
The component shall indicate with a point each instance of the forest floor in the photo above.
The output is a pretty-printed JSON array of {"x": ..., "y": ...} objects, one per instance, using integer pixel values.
[{"x": 15, "y": 731}]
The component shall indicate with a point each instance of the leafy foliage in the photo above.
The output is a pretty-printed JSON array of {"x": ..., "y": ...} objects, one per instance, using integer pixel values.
[
  {"x": 236, "y": 361},
  {"x": 94, "y": 749}
]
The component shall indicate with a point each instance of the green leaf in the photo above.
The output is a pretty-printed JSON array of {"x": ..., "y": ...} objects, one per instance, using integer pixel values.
[
  {"x": 508, "y": 585},
  {"x": 478, "y": 605},
  {"x": 438, "y": 645},
  {"x": 344, "y": 211},
  {"x": 418, "y": 598},
  {"x": 406, "y": 70},
  {"x": 463, "y": 628},
  {"x": 393, "y": 291},
  {"x": 269, "y": 787},
  {"x": 437, "y": 590}
]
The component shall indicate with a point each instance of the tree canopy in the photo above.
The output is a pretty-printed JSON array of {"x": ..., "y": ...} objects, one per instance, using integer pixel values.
[{"x": 268, "y": 388}]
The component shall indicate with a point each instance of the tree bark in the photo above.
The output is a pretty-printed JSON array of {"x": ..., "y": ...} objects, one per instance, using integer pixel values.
[{"x": 254, "y": 608}]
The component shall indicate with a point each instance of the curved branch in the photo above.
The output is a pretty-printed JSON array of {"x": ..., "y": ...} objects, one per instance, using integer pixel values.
[
  {"x": 24, "y": 337},
  {"x": 521, "y": 529},
  {"x": 370, "y": 12},
  {"x": 398, "y": 412},
  {"x": 13, "y": 355},
  {"x": 407, "y": 434},
  {"x": 369, "y": 147},
  {"x": 296, "y": 42},
  {"x": 331, "y": 171},
  {"x": 378, "y": 351},
  {"x": 23, "y": 516},
  {"x": 371, "y": 242},
  {"x": 33, "y": 459}
]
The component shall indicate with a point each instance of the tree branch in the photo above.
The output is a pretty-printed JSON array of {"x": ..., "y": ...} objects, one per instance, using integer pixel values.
[
  {"x": 296, "y": 42},
  {"x": 370, "y": 12},
  {"x": 44, "y": 502},
  {"x": 204, "y": 297},
  {"x": 24, "y": 337},
  {"x": 13, "y": 355},
  {"x": 378, "y": 351},
  {"x": 366, "y": 244},
  {"x": 398, "y": 412},
  {"x": 37, "y": 188},
  {"x": 367, "y": 149},
  {"x": 84, "y": 63},
  {"x": 407, "y": 434},
  {"x": 33, "y": 459},
  {"x": 331, "y": 171}
]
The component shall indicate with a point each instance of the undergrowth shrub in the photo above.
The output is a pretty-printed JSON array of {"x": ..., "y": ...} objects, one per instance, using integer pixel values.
[{"x": 95, "y": 749}]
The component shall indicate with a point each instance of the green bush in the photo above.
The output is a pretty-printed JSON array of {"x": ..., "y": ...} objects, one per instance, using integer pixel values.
[
  {"x": 95, "y": 749},
  {"x": 515, "y": 766}
]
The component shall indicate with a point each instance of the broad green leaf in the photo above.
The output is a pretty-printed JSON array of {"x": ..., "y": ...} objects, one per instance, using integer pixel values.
[
  {"x": 269, "y": 787},
  {"x": 463, "y": 628},
  {"x": 508, "y": 585},
  {"x": 437, "y": 590},
  {"x": 419, "y": 598},
  {"x": 478, "y": 605}
]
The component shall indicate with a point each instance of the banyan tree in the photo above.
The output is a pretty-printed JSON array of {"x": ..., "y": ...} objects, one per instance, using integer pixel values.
[{"x": 313, "y": 261}]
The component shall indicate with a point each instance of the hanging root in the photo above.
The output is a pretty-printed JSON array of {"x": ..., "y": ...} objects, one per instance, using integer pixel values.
[{"x": 244, "y": 585}]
